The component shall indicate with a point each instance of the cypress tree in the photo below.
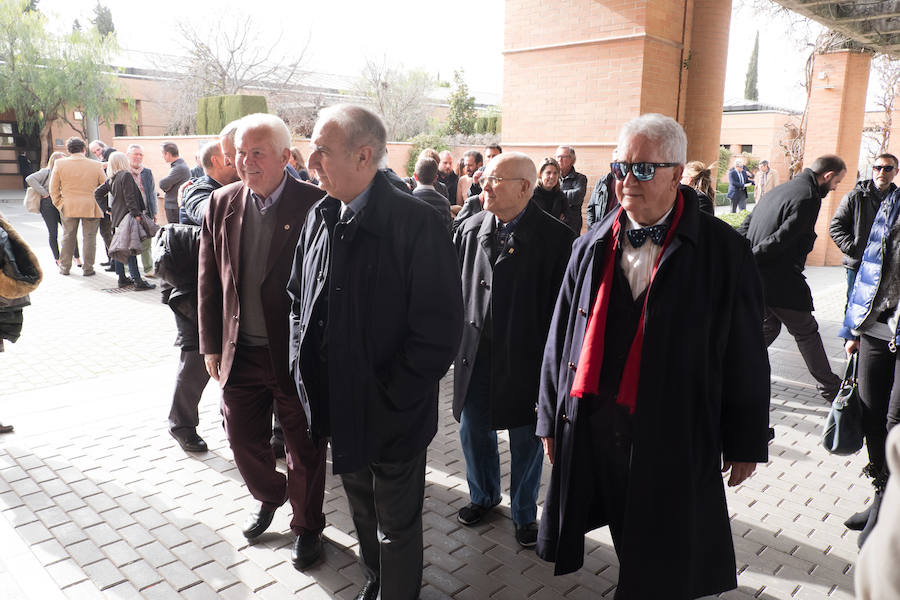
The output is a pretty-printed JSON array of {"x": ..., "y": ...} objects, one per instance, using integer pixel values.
[{"x": 750, "y": 91}]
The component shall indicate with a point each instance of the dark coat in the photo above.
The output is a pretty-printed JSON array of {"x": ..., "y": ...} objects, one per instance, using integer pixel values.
[
  {"x": 126, "y": 196},
  {"x": 703, "y": 393},
  {"x": 196, "y": 196},
  {"x": 781, "y": 231},
  {"x": 520, "y": 291},
  {"x": 219, "y": 305},
  {"x": 394, "y": 324},
  {"x": 450, "y": 181},
  {"x": 853, "y": 220},
  {"x": 552, "y": 202},
  {"x": 736, "y": 187},
  {"x": 472, "y": 206},
  {"x": 603, "y": 200},
  {"x": 574, "y": 187},
  {"x": 437, "y": 201},
  {"x": 179, "y": 172},
  {"x": 176, "y": 265}
]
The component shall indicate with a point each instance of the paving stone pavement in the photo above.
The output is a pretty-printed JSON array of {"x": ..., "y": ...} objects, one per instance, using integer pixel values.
[{"x": 97, "y": 501}]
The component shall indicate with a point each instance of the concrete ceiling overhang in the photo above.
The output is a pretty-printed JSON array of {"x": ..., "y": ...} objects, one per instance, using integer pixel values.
[{"x": 872, "y": 24}]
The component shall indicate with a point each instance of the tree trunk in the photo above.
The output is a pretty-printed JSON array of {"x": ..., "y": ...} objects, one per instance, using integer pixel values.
[{"x": 46, "y": 142}]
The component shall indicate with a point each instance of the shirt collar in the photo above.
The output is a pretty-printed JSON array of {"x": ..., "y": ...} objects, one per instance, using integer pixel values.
[
  {"x": 511, "y": 224},
  {"x": 268, "y": 202},
  {"x": 425, "y": 186},
  {"x": 359, "y": 203},
  {"x": 632, "y": 224}
]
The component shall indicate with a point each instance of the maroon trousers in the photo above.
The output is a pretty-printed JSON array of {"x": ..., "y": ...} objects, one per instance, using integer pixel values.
[{"x": 248, "y": 397}]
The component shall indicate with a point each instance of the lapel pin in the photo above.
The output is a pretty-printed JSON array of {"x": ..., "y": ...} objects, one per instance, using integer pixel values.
[
  {"x": 286, "y": 227},
  {"x": 511, "y": 251}
]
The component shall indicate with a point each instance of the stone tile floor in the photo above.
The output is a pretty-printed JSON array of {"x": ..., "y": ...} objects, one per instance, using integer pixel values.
[{"x": 97, "y": 501}]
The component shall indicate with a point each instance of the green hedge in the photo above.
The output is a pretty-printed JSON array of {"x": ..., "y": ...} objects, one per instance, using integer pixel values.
[
  {"x": 215, "y": 112},
  {"x": 735, "y": 219}
]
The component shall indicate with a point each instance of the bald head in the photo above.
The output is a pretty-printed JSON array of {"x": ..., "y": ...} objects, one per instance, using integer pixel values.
[{"x": 507, "y": 182}]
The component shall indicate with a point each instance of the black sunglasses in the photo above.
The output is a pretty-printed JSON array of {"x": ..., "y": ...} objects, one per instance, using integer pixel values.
[
  {"x": 643, "y": 171},
  {"x": 885, "y": 168}
]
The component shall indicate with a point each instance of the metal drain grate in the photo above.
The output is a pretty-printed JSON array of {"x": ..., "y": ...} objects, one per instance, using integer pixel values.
[{"x": 118, "y": 290}]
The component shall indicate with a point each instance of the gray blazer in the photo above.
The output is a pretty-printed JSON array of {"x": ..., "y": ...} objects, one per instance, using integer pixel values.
[
  {"x": 437, "y": 201},
  {"x": 179, "y": 172}
]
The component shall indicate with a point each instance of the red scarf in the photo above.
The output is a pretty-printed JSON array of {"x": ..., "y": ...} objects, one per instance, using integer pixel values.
[{"x": 587, "y": 376}]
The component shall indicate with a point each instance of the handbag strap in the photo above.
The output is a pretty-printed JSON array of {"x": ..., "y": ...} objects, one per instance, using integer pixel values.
[{"x": 851, "y": 369}]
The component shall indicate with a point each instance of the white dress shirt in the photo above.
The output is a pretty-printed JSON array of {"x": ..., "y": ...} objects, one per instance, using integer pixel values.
[{"x": 637, "y": 263}]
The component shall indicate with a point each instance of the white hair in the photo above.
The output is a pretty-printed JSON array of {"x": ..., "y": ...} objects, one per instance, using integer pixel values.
[
  {"x": 279, "y": 134},
  {"x": 739, "y": 162},
  {"x": 664, "y": 132},
  {"x": 361, "y": 127},
  {"x": 134, "y": 147},
  {"x": 229, "y": 130}
]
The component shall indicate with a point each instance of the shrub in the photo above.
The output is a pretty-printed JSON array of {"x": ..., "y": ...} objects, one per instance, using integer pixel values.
[
  {"x": 215, "y": 112},
  {"x": 419, "y": 143}
]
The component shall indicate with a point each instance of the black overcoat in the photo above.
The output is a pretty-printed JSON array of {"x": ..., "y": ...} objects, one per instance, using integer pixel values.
[
  {"x": 394, "y": 324},
  {"x": 520, "y": 292},
  {"x": 781, "y": 231},
  {"x": 703, "y": 393}
]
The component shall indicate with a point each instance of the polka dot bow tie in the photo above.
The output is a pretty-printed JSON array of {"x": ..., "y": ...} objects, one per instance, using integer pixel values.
[{"x": 657, "y": 233}]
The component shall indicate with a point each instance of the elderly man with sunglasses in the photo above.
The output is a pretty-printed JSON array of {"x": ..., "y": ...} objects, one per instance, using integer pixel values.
[
  {"x": 854, "y": 216},
  {"x": 655, "y": 381}
]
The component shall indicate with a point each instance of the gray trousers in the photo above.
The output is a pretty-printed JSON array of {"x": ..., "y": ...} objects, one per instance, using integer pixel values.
[
  {"x": 190, "y": 380},
  {"x": 803, "y": 326},
  {"x": 386, "y": 505},
  {"x": 88, "y": 242},
  {"x": 146, "y": 256}
]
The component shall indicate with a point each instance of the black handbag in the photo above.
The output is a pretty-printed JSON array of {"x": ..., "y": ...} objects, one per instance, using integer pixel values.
[{"x": 843, "y": 432}]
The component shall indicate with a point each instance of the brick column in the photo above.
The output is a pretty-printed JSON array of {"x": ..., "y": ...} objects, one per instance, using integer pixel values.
[
  {"x": 706, "y": 60},
  {"x": 834, "y": 126}
]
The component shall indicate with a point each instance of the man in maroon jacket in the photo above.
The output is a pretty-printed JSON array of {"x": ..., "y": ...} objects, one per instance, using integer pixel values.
[{"x": 247, "y": 240}]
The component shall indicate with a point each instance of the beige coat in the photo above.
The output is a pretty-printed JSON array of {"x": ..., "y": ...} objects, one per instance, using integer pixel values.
[
  {"x": 771, "y": 182},
  {"x": 72, "y": 185},
  {"x": 877, "y": 575}
]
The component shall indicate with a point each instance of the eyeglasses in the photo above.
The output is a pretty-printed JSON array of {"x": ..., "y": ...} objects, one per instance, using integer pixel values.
[
  {"x": 885, "y": 168},
  {"x": 643, "y": 171},
  {"x": 495, "y": 180}
]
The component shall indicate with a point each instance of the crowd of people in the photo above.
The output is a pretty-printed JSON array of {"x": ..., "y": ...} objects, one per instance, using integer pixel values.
[{"x": 328, "y": 297}]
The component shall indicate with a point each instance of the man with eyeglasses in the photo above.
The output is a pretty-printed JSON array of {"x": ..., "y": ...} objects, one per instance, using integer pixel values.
[
  {"x": 854, "y": 216},
  {"x": 781, "y": 231},
  {"x": 513, "y": 256},
  {"x": 655, "y": 380},
  {"x": 573, "y": 185}
]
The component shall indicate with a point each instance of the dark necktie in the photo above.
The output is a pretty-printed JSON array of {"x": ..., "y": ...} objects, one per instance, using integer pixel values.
[
  {"x": 657, "y": 233},
  {"x": 347, "y": 213}
]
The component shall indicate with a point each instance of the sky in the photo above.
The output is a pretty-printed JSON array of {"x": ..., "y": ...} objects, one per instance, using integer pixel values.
[
  {"x": 342, "y": 33},
  {"x": 415, "y": 34}
]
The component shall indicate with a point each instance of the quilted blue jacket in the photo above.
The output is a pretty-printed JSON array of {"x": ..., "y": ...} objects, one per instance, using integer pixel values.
[{"x": 869, "y": 276}]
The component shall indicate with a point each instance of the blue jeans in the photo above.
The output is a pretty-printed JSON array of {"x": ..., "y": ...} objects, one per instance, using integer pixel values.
[
  {"x": 479, "y": 445},
  {"x": 132, "y": 268},
  {"x": 851, "y": 278}
]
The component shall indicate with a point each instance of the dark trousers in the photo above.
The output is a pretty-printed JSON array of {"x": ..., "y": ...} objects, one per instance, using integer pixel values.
[
  {"x": 248, "y": 397},
  {"x": 106, "y": 233},
  {"x": 739, "y": 201},
  {"x": 851, "y": 278},
  {"x": 52, "y": 220},
  {"x": 879, "y": 370},
  {"x": 803, "y": 326},
  {"x": 172, "y": 215},
  {"x": 133, "y": 269},
  {"x": 386, "y": 505},
  {"x": 190, "y": 381}
]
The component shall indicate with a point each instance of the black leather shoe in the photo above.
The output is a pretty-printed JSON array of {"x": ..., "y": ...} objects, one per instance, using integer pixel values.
[
  {"x": 306, "y": 550},
  {"x": 257, "y": 523},
  {"x": 143, "y": 285},
  {"x": 109, "y": 269},
  {"x": 190, "y": 442},
  {"x": 369, "y": 591},
  {"x": 106, "y": 264}
]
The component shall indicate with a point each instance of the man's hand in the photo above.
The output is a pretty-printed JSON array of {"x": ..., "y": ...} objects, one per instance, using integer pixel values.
[
  {"x": 851, "y": 347},
  {"x": 212, "y": 364},
  {"x": 739, "y": 471},
  {"x": 549, "y": 449},
  {"x": 477, "y": 176}
]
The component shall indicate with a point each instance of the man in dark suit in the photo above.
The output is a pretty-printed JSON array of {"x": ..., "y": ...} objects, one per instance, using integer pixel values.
[
  {"x": 179, "y": 172},
  {"x": 426, "y": 174},
  {"x": 248, "y": 232},
  {"x": 447, "y": 175},
  {"x": 375, "y": 322},
  {"x": 781, "y": 231},
  {"x": 655, "y": 381},
  {"x": 513, "y": 256},
  {"x": 738, "y": 179}
]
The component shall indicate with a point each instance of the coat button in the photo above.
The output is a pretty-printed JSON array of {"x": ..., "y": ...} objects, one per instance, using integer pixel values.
[
  {"x": 465, "y": 361},
  {"x": 287, "y": 227},
  {"x": 472, "y": 323},
  {"x": 572, "y": 366},
  {"x": 482, "y": 283},
  {"x": 321, "y": 323},
  {"x": 234, "y": 317},
  {"x": 564, "y": 418},
  {"x": 582, "y": 312},
  {"x": 232, "y": 344},
  {"x": 338, "y": 288}
]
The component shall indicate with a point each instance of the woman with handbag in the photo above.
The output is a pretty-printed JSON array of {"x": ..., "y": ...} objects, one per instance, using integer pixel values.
[
  {"x": 38, "y": 181},
  {"x": 871, "y": 328},
  {"x": 126, "y": 199}
]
